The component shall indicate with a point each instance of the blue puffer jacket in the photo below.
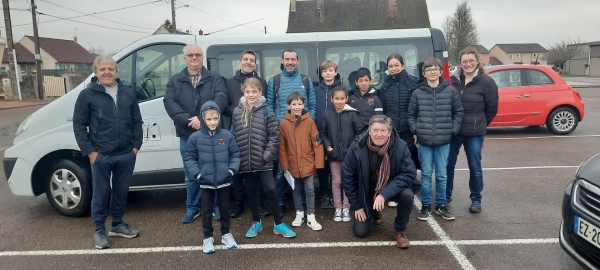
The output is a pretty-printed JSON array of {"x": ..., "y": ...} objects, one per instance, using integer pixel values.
[
  {"x": 212, "y": 157},
  {"x": 323, "y": 93},
  {"x": 290, "y": 82}
]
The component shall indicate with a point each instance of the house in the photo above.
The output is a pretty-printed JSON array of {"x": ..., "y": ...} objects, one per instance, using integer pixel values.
[
  {"x": 58, "y": 56},
  {"x": 162, "y": 29},
  {"x": 586, "y": 62},
  {"x": 483, "y": 54},
  {"x": 519, "y": 53},
  {"x": 342, "y": 15}
]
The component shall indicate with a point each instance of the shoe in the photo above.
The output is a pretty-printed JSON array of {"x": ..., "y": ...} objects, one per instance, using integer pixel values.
[
  {"x": 100, "y": 239},
  {"x": 442, "y": 210},
  {"x": 228, "y": 241},
  {"x": 325, "y": 202},
  {"x": 207, "y": 245},
  {"x": 331, "y": 205},
  {"x": 216, "y": 213},
  {"x": 337, "y": 217},
  {"x": 378, "y": 218},
  {"x": 238, "y": 210},
  {"x": 255, "y": 228},
  {"x": 284, "y": 230},
  {"x": 189, "y": 217},
  {"x": 475, "y": 207},
  {"x": 263, "y": 211},
  {"x": 448, "y": 200},
  {"x": 299, "y": 219},
  {"x": 312, "y": 222},
  {"x": 425, "y": 212},
  {"x": 123, "y": 230},
  {"x": 281, "y": 211},
  {"x": 392, "y": 204},
  {"x": 346, "y": 215},
  {"x": 401, "y": 240}
]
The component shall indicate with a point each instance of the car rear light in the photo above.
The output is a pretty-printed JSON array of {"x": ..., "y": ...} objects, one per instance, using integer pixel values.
[{"x": 577, "y": 93}]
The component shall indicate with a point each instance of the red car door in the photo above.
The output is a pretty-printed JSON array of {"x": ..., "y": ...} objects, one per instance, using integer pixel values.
[{"x": 514, "y": 104}]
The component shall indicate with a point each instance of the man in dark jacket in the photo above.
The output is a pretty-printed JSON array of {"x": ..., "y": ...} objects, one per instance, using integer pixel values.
[
  {"x": 186, "y": 92},
  {"x": 434, "y": 116},
  {"x": 378, "y": 167},
  {"x": 247, "y": 65},
  {"x": 110, "y": 111}
]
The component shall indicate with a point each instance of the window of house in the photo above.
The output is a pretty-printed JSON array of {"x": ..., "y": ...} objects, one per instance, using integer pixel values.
[
  {"x": 534, "y": 55},
  {"x": 541, "y": 55},
  {"x": 518, "y": 55},
  {"x": 480, "y": 56},
  {"x": 510, "y": 56}
]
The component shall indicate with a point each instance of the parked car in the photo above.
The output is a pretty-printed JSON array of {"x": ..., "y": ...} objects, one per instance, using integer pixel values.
[
  {"x": 580, "y": 226},
  {"x": 533, "y": 95}
]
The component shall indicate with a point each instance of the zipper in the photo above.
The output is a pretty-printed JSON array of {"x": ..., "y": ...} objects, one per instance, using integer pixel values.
[
  {"x": 117, "y": 116},
  {"x": 250, "y": 141},
  {"x": 475, "y": 126},
  {"x": 98, "y": 123},
  {"x": 434, "y": 117},
  {"x": 212, "y": 144}
]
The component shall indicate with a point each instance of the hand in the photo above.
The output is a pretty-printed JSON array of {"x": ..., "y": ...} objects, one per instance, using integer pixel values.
[
  {"x": 415, "y": 138},
  {"x": 360, "y": 215},
  {"x": 194, "y": 123},
  {"x": 329, "y": 149},
  {"x": 379, "y": 203},
  {"x": 93, "y": 156},
  {"x": 135, "y": 150}
]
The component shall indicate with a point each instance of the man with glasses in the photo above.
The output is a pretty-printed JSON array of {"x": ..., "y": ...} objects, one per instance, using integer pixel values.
[{"x": 186, "y": 92}]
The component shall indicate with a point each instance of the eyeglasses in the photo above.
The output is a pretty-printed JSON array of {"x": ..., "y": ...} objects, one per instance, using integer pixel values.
[
  {"x": 431, "y": 70},
  {"x": 466, "y": 62},
  {"x": 192, "y": 55}
]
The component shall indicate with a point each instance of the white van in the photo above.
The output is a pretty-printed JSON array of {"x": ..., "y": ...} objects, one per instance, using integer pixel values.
[{"x": 45, "y": 157}]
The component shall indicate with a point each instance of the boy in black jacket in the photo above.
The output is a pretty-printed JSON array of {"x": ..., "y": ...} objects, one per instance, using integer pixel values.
[{"x": 434, "y": 115}]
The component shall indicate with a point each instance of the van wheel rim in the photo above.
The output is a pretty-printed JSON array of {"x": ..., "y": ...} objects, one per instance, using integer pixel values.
[
  {"x": 563, "y": 121},
  {"x": 65, "y": 189}
]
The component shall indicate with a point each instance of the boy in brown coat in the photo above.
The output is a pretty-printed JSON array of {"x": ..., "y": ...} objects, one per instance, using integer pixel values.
[{"x": 301, "y": 154}]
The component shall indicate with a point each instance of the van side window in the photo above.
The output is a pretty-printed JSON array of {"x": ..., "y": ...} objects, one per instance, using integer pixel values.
[
  {"x": 124, "y": 68},
  {"x": 272, "y": 59},
  {"x": 154, "y": 66},
  {"x": 228, "y": 63}
]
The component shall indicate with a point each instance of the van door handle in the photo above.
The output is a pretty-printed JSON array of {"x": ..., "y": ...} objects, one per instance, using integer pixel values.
[{"x": 523, "y": 96}]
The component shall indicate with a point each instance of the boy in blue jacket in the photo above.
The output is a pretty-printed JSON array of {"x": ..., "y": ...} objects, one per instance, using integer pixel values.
[{"x": 212, "y": 157}]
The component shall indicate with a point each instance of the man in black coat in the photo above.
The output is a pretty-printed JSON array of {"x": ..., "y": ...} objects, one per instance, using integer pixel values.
[
  {"x": 247, "y": 65},
  {"x": 186, "y": 92},
  {"x": 108, "y": 129}
]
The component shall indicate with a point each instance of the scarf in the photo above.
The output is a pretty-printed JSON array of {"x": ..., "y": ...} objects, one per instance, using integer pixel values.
[{"x": 384, "y": 170}]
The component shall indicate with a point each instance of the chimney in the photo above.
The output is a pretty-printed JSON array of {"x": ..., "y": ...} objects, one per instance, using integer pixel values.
[
  {"x": 293, "y": 6},
  {"x": 75, "y": 39},
  {"x": 200, "y": 32}
]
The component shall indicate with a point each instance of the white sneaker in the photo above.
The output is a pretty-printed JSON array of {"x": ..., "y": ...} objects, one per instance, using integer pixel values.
[
  {"x": 346, "y": 215},
  {"x": 299, "y": 219},
  {"x": 312, "y": 222},
  {"x": 392, "y": 204},
  {"x": 337, "y": 217}
]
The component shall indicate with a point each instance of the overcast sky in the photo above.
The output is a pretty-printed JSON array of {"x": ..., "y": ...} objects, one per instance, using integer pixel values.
[{"x": 506, "y": 21}]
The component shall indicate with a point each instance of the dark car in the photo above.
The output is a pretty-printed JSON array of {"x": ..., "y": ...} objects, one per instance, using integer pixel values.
[{"x": 580, "y": 227}]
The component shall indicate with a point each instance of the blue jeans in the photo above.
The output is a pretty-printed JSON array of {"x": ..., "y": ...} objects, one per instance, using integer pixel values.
[
  {"x": 433, "y": 157},
  {"x": 473, "y": 145},
  {"x": 193, "y": 201}
]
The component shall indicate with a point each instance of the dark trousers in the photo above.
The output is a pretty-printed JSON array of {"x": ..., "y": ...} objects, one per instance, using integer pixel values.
[
  {"x": 254, "y": 182},
  {"x": 121, "y": 167},
  {"x": 208, "y": 197},
  {"x": 325, "y": 181},
  {"x": 407, "y": 137},
  {"x": 240, "y": 190},
  {"x": 405, "y": 204}
]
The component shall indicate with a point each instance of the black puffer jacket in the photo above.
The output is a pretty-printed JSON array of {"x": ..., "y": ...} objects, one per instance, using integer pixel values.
[
  {"x": 435, "y": 114},
  {"x": 367, "y": 105},
  {"x": 480, "y": 101},
  {"x": 257, "y": 141},
  {"x": 395, "y": 94},
  {"x": 180, "y": 98},
  {"x": 338, "y": 130},
  {"x": 234, "y": 89}
]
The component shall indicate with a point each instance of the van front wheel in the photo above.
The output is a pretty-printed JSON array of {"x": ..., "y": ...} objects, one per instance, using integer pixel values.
[{"x": 68, "y": 188}]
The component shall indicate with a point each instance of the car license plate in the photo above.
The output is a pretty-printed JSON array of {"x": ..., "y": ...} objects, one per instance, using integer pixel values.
[{"x": 587, "y": 231}]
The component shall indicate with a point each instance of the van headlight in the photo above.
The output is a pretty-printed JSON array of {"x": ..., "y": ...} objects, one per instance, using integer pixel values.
[{"x": 24, "y": 125}]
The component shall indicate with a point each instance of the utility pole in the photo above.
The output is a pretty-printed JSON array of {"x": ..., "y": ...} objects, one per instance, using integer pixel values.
[
  {"x": 12, "y": 59},
  {"x": 38, "y": 58},
  {"x": 173, "y": 24}
]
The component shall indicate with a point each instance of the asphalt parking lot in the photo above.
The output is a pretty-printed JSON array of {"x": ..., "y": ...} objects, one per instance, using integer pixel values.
[{"x": 525, "y": 172}]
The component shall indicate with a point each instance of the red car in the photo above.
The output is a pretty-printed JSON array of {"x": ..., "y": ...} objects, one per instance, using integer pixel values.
[{"x": 531, "y": 95}]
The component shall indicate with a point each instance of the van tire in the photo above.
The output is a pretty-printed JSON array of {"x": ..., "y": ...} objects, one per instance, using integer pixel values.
[
  {"x": 68, "y": 188},
  {"x": 562, "y": 121}
]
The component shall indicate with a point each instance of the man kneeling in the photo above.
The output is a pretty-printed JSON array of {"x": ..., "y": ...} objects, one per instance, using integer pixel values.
[{"x": 378, "y": 167}]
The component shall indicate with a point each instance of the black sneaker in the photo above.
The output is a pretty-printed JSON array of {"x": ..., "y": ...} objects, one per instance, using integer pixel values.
[
  {"x": 448, "y": 200},
  {"x": 263, "y": 211},
  {"x": 424, "y": 213},
  {"x": 325, "y": 202},
  {"x": 238, "y": 210},
  {"x": 281, "y": 211},
  {"x": 442, "y": 210}
]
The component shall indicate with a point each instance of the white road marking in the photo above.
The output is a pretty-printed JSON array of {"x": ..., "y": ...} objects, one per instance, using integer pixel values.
[
  {"x": 591, "y": 99},
  {"x": 274, "y": 246},
  {"x": 446, "y": 240},
  {"x": 523, "y": 168},
  {"x": 540, "y": 137}
]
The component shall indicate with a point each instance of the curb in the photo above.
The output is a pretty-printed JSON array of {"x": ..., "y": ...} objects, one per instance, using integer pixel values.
[
  {"x": 586, "y": 86},
  {"x": 22, "y": 106}
]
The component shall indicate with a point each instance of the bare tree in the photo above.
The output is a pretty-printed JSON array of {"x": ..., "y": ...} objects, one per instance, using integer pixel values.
[
  {"x": 460, "y": 30},
  {"x": 97, "y": 50},
  {"x": 564, "y": 50}
]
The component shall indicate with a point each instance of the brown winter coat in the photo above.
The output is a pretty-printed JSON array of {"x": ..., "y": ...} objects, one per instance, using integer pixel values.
[{"x": 300, "y": 148}]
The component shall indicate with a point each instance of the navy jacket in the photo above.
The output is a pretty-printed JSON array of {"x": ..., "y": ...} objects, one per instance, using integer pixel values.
[
  {"x": 323, "y": 93},
  {"x": 212, "y": 157},
  {"x": 338, "y": 130},
  {"x": 395, "y": 94},
  {"x": 367, "y": 105},
  {"x": 355, "y": 172},
  {"x": 113, "y": 129},
  {"x": 180, "y": 98}
]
